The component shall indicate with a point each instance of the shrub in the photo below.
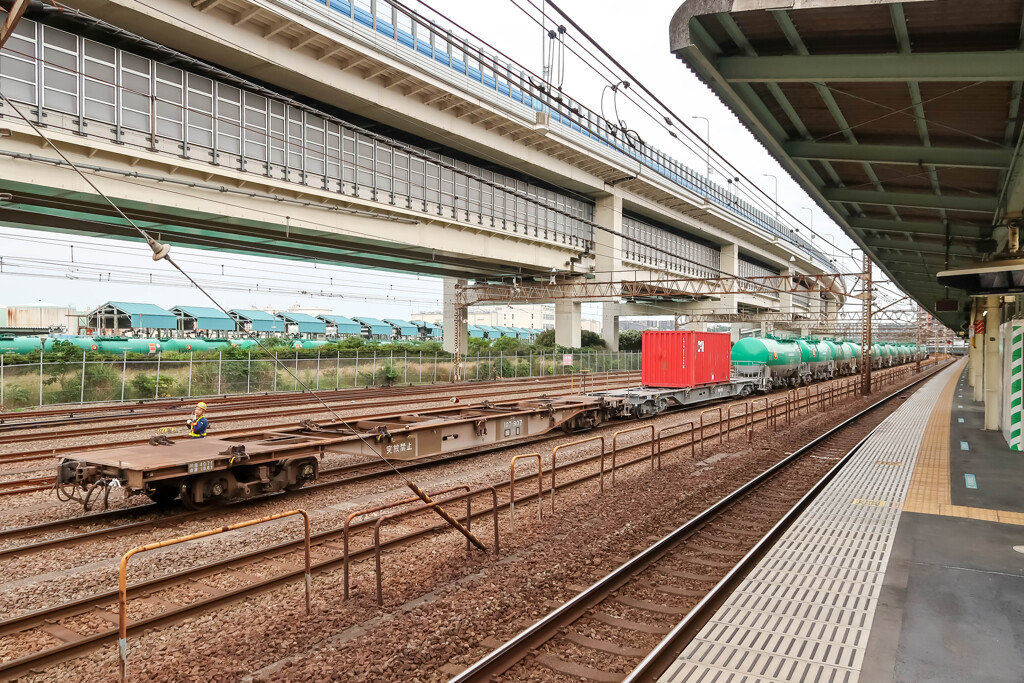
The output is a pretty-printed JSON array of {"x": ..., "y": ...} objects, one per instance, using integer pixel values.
[{"x": 144, "y": 386}]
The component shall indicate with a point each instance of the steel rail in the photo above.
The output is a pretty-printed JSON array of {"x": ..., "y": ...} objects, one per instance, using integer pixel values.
[
  {"x": 143, "y": 509},
  {"x": 70, "y": 649},
  {"x": 531, "y": 638},
  {"x": 27, "y": 621},
  {"x": 241, "y": 413},
  {"x": 76, "y": 412},
  {"x": 31, "y": 455}
]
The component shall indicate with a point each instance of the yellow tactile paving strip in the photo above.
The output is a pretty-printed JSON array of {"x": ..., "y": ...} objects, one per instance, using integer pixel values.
[{"x": 929, "y": 485}]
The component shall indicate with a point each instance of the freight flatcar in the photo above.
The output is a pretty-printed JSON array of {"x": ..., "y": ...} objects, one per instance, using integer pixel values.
[{"x": 202, "y": 472}]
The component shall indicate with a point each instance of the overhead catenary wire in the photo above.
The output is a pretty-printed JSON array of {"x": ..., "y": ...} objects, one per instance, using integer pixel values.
[
  {"x": 162, "y": 252},
  {"x": 670, "y": 112}
]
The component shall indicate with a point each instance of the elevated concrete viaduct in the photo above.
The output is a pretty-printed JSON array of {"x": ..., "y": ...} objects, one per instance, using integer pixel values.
[{"x": 346, "y": 140}]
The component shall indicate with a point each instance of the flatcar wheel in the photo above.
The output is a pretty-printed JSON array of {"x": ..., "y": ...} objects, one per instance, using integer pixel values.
[
  {"x": 213, "y": 489},
  {"x": 307, "y": 471}
]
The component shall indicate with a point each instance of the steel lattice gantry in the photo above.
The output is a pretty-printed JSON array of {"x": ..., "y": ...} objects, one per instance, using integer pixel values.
[{"x": 901, "y": 119}]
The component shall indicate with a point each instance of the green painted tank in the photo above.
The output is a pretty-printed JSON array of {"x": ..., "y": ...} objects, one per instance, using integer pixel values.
[
  {"x": 20, "y": 344},
  {"x": 838, "y": 352},
  {"x": 854, "y": 349},
  {"x": 185, "y": 345},
  {"x": 313, "y": 344},
  {"x": 84, "y": 343},
  {"x": 889, "y": 353},
  {"x": 820, "y": 356},
  {"x": 121, "y": 344},
  {"x": 841, "y": 356},
  {"x": 750, "y": 354},
  {"x": 244, "y": 343},
  {"x": 217, "y": 344},
  {"x": 168, "y": 344},
  {"x": 806, "y": 353}
]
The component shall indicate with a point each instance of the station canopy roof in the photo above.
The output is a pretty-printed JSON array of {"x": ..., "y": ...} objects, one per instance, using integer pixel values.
[
  {"x": 406, "y": 328},
  {"x": 207, "y": 318},
  {"x": 307, "y": 323},
  {"x": 344, "y": 325},
  {"x": 902, "y": 120},
  {"x": 142, "y": 315},
  {"x": 376, "y": 326},
  {"x": 261, "y": 321}
]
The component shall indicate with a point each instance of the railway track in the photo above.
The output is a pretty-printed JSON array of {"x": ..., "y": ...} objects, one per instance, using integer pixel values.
[
  {"x": 610, "y": 628},
  {"x": 284, "y": 557},
  {"x": 34, "y": 418},
  {"x": 311, "y": 406},
  {"x": 298, "y": 405}
]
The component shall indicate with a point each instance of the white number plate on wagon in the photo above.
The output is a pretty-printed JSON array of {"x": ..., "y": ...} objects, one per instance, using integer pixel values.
[{"x": 201, "y": 466}]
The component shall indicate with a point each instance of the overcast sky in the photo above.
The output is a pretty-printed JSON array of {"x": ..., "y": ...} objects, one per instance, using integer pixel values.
[{"x": 59, "y": 269}]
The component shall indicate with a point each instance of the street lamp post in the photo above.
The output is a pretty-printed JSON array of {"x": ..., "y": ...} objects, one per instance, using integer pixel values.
[
  {"x": 707, "y": 142},
  {"x": 811, "y": 211}
]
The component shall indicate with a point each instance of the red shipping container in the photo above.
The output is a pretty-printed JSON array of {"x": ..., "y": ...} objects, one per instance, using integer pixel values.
[{"x": 685, "y": 359}]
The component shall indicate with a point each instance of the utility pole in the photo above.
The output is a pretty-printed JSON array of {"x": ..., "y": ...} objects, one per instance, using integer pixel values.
[{"x": 865, "y": 331}]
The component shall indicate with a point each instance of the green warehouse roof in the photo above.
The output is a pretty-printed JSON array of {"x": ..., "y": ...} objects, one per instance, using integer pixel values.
[
  {"x": 344, "y": 325},
  {"x": 406, "y": 328},
  {"x": 261, "y": 320},
  {"x": 143, "y": 315},
  {"x": 307, "y": 323},
  {"x": 207, "y": 318},
  {"x": 376, "y": 326}
]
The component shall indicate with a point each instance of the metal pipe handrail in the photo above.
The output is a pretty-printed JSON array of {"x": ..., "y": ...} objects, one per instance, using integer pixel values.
[
  {"x": 494, "y": 663},
  {"x": 468, "y": 495},
  {"x": 122, "y": 642},
  {"x": 512, "y": 489},
  {"x": 554, "y": 462}
]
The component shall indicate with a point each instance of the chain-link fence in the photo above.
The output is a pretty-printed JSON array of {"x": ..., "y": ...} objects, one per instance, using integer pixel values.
[{"x": 124, "y": 379}]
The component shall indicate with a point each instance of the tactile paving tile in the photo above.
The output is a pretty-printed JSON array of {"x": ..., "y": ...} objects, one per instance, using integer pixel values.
[{"x": 804, "y": 613}]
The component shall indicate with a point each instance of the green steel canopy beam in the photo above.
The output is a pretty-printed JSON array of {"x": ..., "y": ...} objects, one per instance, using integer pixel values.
[
  {"x": 920, "y": 66},
  {"x": 914, "y": 227},
  {"x": 981, "y": 204},
  {"x": 965, "y": 157}
]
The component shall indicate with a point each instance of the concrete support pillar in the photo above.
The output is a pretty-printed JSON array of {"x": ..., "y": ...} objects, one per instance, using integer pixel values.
[
  {"x": 449, "y": 324},
  {"x": 993, "y": 363},
  {"x": 568, "y": 323},
  {"x": 610, "y": 325},
  {"x": 975, "y": 353},
  {"x": 736, "y": 329},
  {"x": 730, "y": 266},
  {"x": 785, "y": 299},
  {"x": 608, "y": 245}
]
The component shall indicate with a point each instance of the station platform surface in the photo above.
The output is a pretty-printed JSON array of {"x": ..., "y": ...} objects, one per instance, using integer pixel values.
[{"x": 903, "y": 569}]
